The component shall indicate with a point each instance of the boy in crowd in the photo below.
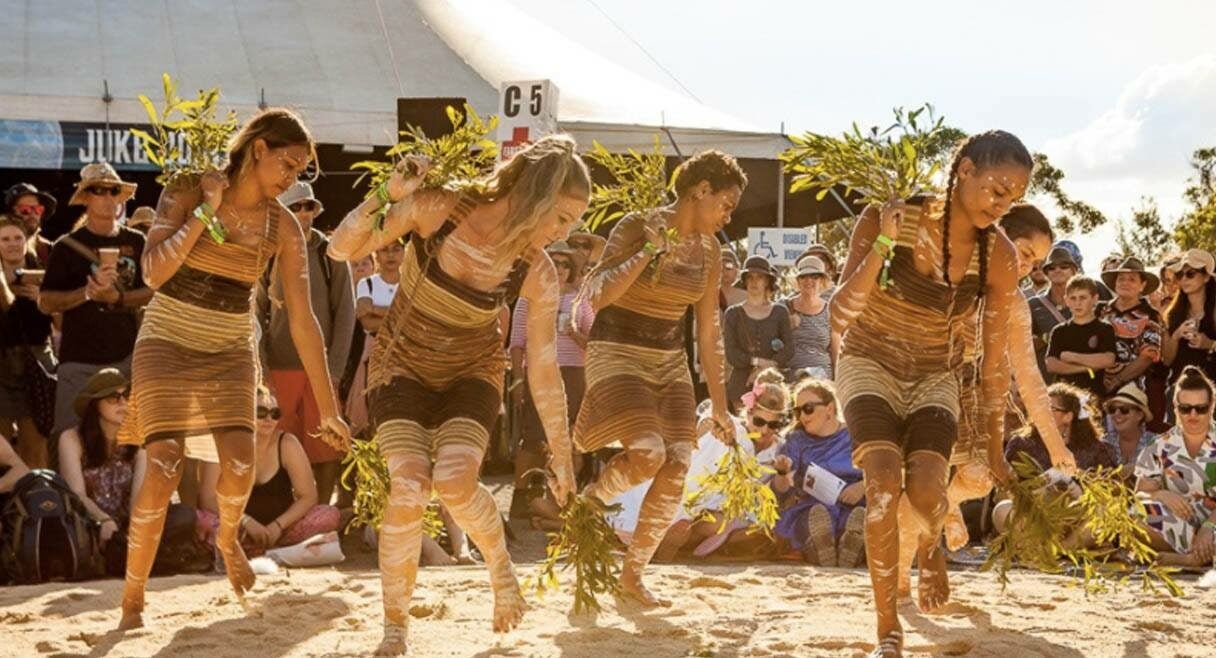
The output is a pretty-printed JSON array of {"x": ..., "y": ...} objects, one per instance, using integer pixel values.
[{"x": 1082, "y": 348}]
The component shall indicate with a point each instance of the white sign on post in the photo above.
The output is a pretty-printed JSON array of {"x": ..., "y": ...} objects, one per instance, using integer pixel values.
[
  {"x": 527, "y": 111},
  {"x": 781, "y": 246}
]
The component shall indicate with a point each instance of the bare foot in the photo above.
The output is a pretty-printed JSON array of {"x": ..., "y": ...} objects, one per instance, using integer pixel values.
[
  {"x": 677, "y": 535},
  {"x": 131, "y": 619},
  {"x": 956, "y": 529},
  {"x": 509, "y": 609},
  {"x": 890, "y": 646},
  {"x": 932, "y": 580},
  {"x": 239, "y": 573},
  {"x": 633, "y": 590},
  {"x": 393, "y": 643}
]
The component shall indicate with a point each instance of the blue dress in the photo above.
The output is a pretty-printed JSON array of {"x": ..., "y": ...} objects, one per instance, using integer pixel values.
[{"x": 833, "y": 453}]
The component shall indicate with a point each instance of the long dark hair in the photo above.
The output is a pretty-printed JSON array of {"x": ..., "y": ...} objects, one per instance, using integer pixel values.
[
  {"x": 1024, "y": 220},
  {"x": 985, "y": 149},
  {"x": 93, "y": 440},
  {"x": 1180, "y": 308},
  {"x": 1083, "y": 433}
]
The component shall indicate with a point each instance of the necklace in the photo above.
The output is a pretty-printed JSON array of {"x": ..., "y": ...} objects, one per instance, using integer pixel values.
[{"x": 240, "y": 223}]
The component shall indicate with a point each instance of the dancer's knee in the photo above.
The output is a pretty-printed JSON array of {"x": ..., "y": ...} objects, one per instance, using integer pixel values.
[
  {"x": 165, "y": 462},
  {"x": 926, "y": 486},
  {"x": 883, "y": 471},
  {"x": 646, "y": 455},
  {"x": 456, "y": 478}
]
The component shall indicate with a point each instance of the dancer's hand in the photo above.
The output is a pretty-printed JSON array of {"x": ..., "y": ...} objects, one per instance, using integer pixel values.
[
  {"x": 336, "y": 433},
  {"x": 257, "y": 533},
  {"x": 107, "y": 530},
  {"x": 1204, "y": 546},
  {"x": 656, "y": 233},
  {"x": 407, "y": 176},
  {"x": 890, "y": 216},
  {"x": 724, "y": 427},
  {"x": 1001, "y": 472},
  {"x": 213, "y": 184},
  {"x": 853, "y": 494},
  {"x": 562, "y": 482}
]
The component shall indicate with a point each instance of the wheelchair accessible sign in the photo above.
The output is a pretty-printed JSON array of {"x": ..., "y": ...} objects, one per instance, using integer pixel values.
[{"x": 781, "y": 246}]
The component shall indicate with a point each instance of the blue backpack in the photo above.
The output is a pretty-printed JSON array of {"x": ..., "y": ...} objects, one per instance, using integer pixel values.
[{"x": 47, "y": 533}]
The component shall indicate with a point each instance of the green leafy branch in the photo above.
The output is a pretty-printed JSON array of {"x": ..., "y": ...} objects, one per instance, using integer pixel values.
[
  {"x": 738, "y": 490},
  {"x": 587, "y": 544},
  {"x": 1045, "y": 526},
  {"x": 640, "y": 182},
  {"x": 204, "y": 137},
  {"x": 366, "y": 476},
  {"x": 897, "y": 162}
]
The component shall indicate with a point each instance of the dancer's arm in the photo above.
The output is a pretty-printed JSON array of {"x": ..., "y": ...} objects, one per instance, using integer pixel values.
[
  {"x": 709, "y": 347},
  {"x": 305, "y": 330},
  {"x": 409, "y": 210},
  {"x": 175, "y": 230},
  {"x": 999, "y": 298},
  {"x": 1024, "y": 364},
  {"x": 625, "y": 258},
  {"x": 544, "y": 377},
  {"x": 860, "y": 273}
]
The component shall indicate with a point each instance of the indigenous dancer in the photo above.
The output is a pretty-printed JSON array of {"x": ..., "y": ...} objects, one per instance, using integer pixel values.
[
  {"x": 435, "y": 376},
  {"x": 901, "y": 348},
  {"x": 194, "y": 369},
  {"x": 638, "y": 386}
]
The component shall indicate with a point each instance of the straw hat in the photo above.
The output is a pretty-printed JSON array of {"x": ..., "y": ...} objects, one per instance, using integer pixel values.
[
  {"x": 100, "y": 174},
  {"x": 102, "y": 384},
  {"x": 1132, "y": 264},
  {"x": 142, "y": 218},
  {"x": 1131, "y": 394},
  {"x": 811, "y": 266},
  {"x": 1196, "y": 259}
]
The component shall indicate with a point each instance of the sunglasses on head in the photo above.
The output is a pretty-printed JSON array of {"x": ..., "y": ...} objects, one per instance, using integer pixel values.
[
  {"x": 102, "y": 191},
  {"x": 1189, "y": 273},
  {"x": 1188, "y": 409},
  {"x": 809, "y": 407},
  {"x": 302, "y": 205},
  {"x": 272, "y": 413},
  {"x": 771, "y": 424}
]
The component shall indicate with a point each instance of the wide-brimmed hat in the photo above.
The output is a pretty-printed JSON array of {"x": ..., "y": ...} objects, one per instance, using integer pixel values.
[
  {"x": 300, "y": 191},
  {"x": 1131, "y": 394},
  {"x": 1196, "y": 259},
  {"x": 49, "y": 203},
  {"x": 811, "y": 266},
  {"x": 1061, "y": 256},
  {"x": 102, "y": 384},
  {"x": 100, "y": 173},
  {"x": 756, "y": 265},
  {"x": 142, "y": 218},
  {"x": 1073, "y": 250},
  {"x": 1132, "y": 264}
]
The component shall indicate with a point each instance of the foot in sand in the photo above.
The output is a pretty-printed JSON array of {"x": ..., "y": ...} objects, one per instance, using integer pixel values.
[
  {"x": 509, "y": 609},
  {"x": 932, "y": 580},
  {"x": 633, "y": 590},
  {"x": 956, "y": 529},
  {"x": 890, "y": 646},
  {"x": 239, "y": 573},
  {"x": 393, "y": 643},
  {"x": 131, "y": 619}
]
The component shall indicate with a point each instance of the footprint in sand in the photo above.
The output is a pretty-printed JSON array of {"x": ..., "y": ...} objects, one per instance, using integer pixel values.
[
  {"x": 424, "y": 610},
  {"x": 1155, "y": 626},
  {"x": 46, "y": 647},
  {"x": 706, "y": 581},
  {"x": 89, "y": 639},
  {"x": 16, "y": 617},
  {"x": 953, "y": 648}
]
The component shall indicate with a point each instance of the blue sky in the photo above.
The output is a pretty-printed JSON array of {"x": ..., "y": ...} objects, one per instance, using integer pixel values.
[{"x": 1118, "y": 93}]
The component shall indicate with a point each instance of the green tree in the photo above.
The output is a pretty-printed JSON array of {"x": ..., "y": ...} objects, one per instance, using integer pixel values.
[
  {"x": 1075, "y": 215},
  {"x": 1144, "y": 235},
  {"x": 1196, "y": 229}
]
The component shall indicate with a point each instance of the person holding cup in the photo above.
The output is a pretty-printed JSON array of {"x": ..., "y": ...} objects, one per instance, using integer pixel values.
[
  {"x": 93, "y": 278},
  {"x": 1190, "y": 318}
]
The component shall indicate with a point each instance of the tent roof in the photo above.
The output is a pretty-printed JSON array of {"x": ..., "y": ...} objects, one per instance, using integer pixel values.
[{"x": 332, "y": 63}]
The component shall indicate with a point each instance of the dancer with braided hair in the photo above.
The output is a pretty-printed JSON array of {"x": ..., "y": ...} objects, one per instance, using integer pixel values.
[
  {"x": 902, "y": 345},
  {"x": 639, "y": 390},
  {"x": 436, "y": 374},
  {"x": 194, "y": 368}
]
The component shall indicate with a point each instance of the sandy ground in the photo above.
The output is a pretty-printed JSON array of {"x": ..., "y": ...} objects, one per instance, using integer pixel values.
[{"x": 721, "y": 610}]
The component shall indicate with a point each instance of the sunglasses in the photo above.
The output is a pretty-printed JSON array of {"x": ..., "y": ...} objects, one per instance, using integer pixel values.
[
  {"x": 809, "y": 408},
  {"x": 25, "y": 208},
  {"x": 303, "y": 205},
  {"x": 1191, "y": 274},
  {"x": 1188, "y": 409},
  {"x": 771, "y": 424},
  {"x": 272, "y": 413},
  {"x": 102, "y": 191},
  {"x": 1119, "y": 409},
  {"x": 120, "y": 396}
]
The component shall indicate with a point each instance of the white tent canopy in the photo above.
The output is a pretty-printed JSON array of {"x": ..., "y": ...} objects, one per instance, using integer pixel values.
[{"x": 332, "y": 63}]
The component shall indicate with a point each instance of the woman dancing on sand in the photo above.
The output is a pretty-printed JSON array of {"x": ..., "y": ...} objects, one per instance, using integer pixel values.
[
  {"x": 638, "y": 386},
  {"x": 194, "y": 370},
  {"x": 901, "y": 349},
  {"x": 436, "y": 374}
]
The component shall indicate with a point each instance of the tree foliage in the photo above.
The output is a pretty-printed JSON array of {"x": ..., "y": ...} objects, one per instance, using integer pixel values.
[
  {"x": 1144, "y": 236},
  {"x": 1075, "y": 215},
  {"x": 1196, "y": 229}
]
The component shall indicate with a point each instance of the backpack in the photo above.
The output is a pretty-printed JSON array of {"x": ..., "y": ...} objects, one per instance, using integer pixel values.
[{"x": 47, "y": 533}]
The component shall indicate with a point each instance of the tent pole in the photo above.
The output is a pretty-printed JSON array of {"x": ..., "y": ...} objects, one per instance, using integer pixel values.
[{"x": 780, "y": 195}]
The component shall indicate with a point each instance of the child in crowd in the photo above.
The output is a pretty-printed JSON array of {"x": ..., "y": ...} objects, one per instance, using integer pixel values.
[{"x": 1082, "y": 348}]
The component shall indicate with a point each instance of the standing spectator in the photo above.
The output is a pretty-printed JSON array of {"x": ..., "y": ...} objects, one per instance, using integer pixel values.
[
  {"x": 1049, "y": 309},
  {"x": 824, "y": 254},
  {"x": 1080, "y": 349},
  {"x": 359, "y": 270},
  {"x": 588, "y": 249},
  {"x": 1129, "y": 414},
  {"x": 333, "y": 303},
  {"x": 1169, "y": 282},
  {"x": 1190, "y": 320},
  {"x": 94, "y": 278},
  {"x": 141, "y": 220},
  {"x": 812, "y": 329},
  {"x": 1136, "y": 323},
  {"x": 373, "y": 296},
  {"x": 1037, "y": 282},
  {"x": 756, "y": 332},
  {"x": 25, "y": 343},
  {"x": 33, "y": 207},
  {"x": 728, "y": 294}
]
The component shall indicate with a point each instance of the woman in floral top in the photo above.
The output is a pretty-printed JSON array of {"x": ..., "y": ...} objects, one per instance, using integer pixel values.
[{"x": 1177, "y": 478}]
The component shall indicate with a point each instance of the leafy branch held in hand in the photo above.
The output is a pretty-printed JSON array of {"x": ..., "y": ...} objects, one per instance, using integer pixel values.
[
  {"x": 204, "y": 137},
  {"x": 587, "y": 544},
  {"x": 366, "y": 476},
  {"x": 738, "y": 492},
  {"x": 640, "y": 183}
]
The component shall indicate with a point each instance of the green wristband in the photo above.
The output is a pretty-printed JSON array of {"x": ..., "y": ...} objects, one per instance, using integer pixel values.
[{"x": 1208, "y": 524}]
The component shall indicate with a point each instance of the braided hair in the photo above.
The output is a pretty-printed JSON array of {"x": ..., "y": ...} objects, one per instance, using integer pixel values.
[{"x": 985, "y": 149}]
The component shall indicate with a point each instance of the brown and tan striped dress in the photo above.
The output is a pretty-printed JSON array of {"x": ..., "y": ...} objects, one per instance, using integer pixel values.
[
  {"x": 195, "y": 368},
  {"x": 638, "y": 380},
  {"x": 435, "y": 375}
]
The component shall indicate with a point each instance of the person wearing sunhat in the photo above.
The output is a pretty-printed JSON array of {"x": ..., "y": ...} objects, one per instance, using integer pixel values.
[
  {"x": 94, "y": 278},
  {"x": 333, "y": 302},
  {"x": 1136, "y": 323},
  {"x": 756, "y": 333},
  {"x": 1190, "y": 319},
  {"x": 1129, "y": 414},
  {"x": 824, "y": 254},
  {"x": 1048, "y": 309},
  {"x": 33, "y": 207},
  {"x": 812, "y": 327},
  {"x": 141, "y": 220}
]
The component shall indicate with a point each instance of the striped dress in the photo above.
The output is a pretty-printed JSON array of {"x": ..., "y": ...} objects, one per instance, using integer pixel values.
[
  {"x": 907, "y": 346},
  {"x": 195, "y": 367},
  {"x": 435, "y": 376},
  {"x": 638, "y": 380}
]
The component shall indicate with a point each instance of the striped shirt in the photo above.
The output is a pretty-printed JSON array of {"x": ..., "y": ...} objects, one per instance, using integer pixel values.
[{"x": 569, "y": 354}]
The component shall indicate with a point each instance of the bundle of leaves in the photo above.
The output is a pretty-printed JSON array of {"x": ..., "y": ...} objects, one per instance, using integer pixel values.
[
  {"x": 738, "y": 491},
  {"x": 640, "y": 183},
  {"x": 587, "y": 544},
  {"x": 204, "y": 136},
  {"x": 897, "y": 162},
  {"x": 1045, "y": 517},
  {"x": 366, "y": 476}
]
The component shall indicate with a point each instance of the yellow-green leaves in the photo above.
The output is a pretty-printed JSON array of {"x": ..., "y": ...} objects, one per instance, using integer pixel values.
[
  {"x": 738, "y": 490},
  {"x": 366, "y": 476},
  {"x": 204, "y": 137},
  {"x": 586, "y": 544},
  {"x": 640, "y": 183}
]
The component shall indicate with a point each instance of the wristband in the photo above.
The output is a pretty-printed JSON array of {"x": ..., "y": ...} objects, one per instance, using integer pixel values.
[
  {"x": 382, "y": 194},
  {"x": 1091, "y": 373},
  {"x": 884, "y": 247},
  {"x": 245, "y": 519},
  {"x": 206, "y": 214},
  {"x": 1208, "y": 524},
  {"x": 650, "y": 249}
]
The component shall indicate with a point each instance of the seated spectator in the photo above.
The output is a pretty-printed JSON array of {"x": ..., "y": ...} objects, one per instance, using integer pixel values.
[
  {"x": 1173, "y": 476},
  {"x": 1129, "y": 414},
  {"x": 812, "y": 328},
  {"x": 282, "y": 508},
  {"x": 25, "y": 345},
  {"x": 104, "y": 474},
  {"x": 755, "y": 333},
  {"x": 827, "y": 533},
  {"x": 1190, "y": 319},
  {"x": 373, "y": 297},
  {"x": 1050, "y": 309},
  {"x": 1137, "y": 325},
  {"x": 33, "y": 208},
  {"x": 1082, "y": 348}
]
